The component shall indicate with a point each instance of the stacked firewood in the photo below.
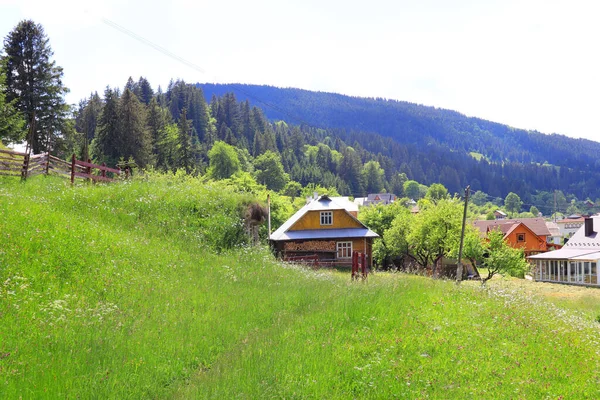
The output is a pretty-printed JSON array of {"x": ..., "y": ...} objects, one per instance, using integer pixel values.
[{"x": 311, "y": 245}]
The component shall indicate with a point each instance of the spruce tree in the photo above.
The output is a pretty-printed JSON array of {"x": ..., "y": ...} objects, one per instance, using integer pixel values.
[
  {"x": 34, "y": 82},
  {"x": 158, "y": 118},
  {"x": 11, "y": 120},
  {"x": 144, "y": 91},
  {"x": 136, "y": 140},
  {"x": 186, "y": 154},
  {"x": 107, "y": 145}
]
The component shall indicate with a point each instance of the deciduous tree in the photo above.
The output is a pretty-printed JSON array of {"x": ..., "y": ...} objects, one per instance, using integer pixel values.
[{"x": 224, "y": 161}]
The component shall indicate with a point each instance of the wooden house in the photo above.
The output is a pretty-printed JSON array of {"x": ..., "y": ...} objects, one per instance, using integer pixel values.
[
  {"x": 529, "y": 234},
  {"x": 328, "y": 228}
]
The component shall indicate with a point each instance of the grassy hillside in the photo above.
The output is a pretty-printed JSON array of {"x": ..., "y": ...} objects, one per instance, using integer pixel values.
[{"x": 117, "y": 292}]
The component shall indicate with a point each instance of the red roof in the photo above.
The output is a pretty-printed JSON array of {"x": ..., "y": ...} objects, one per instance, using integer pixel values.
[{"x": 536, "y": 225}]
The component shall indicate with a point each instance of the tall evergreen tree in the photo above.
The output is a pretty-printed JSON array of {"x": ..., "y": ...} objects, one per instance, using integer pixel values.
[
  {"x": 137, "y": 142},
  {"x": 350, "y": 171},
  {"x": 86, "y": 121},
  {"x": 34, "y": 82},
  {"x": 144, "y": 91},
  {"x": 186, "y": 154},
  {"x": 158, "y": 118},
  {"x": 107, "y": 145},
  {"x": 11, "y": 120}
]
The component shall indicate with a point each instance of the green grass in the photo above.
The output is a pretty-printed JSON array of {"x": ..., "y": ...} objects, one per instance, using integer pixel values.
[{"x": 119, "y": 291}]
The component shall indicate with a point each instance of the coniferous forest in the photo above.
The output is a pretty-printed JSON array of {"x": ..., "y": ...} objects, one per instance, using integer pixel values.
[{"x": 287, "y": 138}]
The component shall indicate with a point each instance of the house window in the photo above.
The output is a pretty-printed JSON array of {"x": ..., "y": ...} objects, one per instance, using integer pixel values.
[
  {"x": 520, "y": 237},
  {"x": 344, "y": 249},
  {"x": 326, "y": 217}
]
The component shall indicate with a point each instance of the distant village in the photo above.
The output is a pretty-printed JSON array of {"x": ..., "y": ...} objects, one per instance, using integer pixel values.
[{"x": 563, "y": 249}]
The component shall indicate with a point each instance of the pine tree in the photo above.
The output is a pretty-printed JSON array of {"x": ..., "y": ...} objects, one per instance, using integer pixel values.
[
  {"x": 136, "y": 139},
  {"x": 86, "y": 121},
  {"x": 144, "y": 91},
  {"x": 107, "y": 145},
  {"x": 186, "y": 155},
  {"x": 350, "y": 171},
  {"x": 158, "y": 118},
  {"x": 34, "y": 82},
  {"x": 11, "y": 121}
]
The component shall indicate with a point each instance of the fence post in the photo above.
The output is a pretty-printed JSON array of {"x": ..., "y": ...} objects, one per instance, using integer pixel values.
[
  {"x": 88, "y": 171},
  {"x": 363, "y": 262},
  {"x": 25, "y": 169},
  {"x": 73, "y": 169},
  {"x": 47, "y": 162},
  {"x": 104, "y": 171}
]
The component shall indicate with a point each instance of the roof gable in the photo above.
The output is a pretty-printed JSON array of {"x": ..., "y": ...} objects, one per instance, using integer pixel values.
[
  {"x": 536, "y": 225},
  {"x": 324, "y": 203},
  {"x": 580, "y": 241}
]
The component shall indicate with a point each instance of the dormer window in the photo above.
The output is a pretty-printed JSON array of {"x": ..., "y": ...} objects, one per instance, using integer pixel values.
[
  {"x": 520, "y": 237},
  {"x": 326, "y": 217}
]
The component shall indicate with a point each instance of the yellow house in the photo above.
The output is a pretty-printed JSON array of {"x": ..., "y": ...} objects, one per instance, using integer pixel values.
[{"x": 326, "y": 228}]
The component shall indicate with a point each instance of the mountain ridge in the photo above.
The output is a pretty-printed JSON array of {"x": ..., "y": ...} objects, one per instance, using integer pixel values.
[{"x": 413, "y": 123}]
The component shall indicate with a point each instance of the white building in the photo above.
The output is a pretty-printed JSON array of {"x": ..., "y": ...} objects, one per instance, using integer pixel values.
[
  {"x": 568, "y": 226},
  {"x": 576, "y": 262}
]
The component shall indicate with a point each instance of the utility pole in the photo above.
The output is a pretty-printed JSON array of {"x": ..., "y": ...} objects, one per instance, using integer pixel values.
[
  {"x": 555, "y": 206},
  {"x": 269, "y": 215},
  {"x": 459, "y": 267}
]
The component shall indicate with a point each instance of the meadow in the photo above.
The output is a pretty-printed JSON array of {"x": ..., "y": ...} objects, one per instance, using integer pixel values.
[{"x": 148, "y": 289}]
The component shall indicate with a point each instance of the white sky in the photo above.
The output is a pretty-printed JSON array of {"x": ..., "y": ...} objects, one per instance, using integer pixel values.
[{"x": 529, "y": 64}]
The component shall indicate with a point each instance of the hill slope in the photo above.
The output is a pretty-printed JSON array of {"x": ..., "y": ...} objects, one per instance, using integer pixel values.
[
  {"x": 112, "y": 292},
  {"x": 411, "y": 123}
]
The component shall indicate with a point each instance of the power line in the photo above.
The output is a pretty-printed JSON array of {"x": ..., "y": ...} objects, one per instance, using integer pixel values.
[{"x": 190, "y": 64}]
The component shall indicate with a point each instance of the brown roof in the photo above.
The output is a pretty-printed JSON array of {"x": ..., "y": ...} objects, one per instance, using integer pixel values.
[
  {"x": 537, "y": 225},
  {"x": 567, "y": 220}
]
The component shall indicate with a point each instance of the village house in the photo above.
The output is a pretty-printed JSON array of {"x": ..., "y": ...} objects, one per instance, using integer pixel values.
[
  {"x": 499, "y": 214},
  {"x": 576, "y": 262},
  {"x": 326, "y": 227},
  {"x": 555, "y": 235},
  {"x": 379, "y": 198},
  {"x": 529, "y": 234},
  {"x": 569, "y": 225}
]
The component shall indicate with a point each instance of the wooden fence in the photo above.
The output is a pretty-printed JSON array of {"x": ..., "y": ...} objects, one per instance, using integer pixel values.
[
  {"x": 85, "y": 170},
  {"x": 14, "y": 163},
  {"x": 360, "y": 267}
]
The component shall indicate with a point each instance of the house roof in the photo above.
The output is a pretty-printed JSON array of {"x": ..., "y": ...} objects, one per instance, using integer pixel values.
[
  {"x": 563, "y": 254},
  {"x": 578, "y": 247},
  {"x": 380, "y": 197},
  {"x": 500, "y": 212},
  {"x": 553, "y": 228},
  {"x": 327, "y": 234},
  {"x": 536, "y": 225},
  {"x": 570, "y": 219},
  {"x": 359, "y": 201},
  {"x": 324, "y": 203}
]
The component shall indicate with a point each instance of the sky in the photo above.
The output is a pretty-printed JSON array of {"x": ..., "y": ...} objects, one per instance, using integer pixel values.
[{"x": 528, "y": 64}]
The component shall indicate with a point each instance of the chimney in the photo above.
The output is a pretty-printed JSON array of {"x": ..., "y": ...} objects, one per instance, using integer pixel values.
[
  {"x": 315, "y": 195},
  {"x": 589, "y": 227}
]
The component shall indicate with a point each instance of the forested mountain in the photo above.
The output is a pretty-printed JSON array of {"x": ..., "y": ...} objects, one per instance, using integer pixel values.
[
  {"x": 435, "y": 145},
  {"x": 411, "y": 123}
]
